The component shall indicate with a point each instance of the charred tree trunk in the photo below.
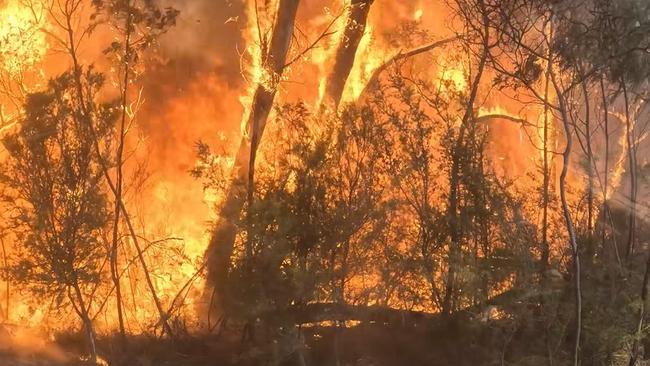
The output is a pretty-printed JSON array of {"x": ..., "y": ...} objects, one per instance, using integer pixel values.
[
  {"x": 590, "y": 161},
  {"x": 355, "y": 27},
  {"x": 631, "y": 152},
  {"x": 606, "y": 173},
  {"x": 547, "y": 176},
  {"x": 221, "y": 244}
]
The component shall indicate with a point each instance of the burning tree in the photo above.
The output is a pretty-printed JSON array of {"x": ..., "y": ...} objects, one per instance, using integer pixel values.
[{"x": 56, "y": 195}]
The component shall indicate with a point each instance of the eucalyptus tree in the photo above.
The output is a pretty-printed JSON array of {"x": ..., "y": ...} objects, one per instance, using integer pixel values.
[{"x": 274, "y": 46}]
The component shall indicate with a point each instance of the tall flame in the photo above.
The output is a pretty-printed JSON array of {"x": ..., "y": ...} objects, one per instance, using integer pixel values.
[
  {"x": 172, "y": 205},
  {"x": 369, "y": 57}
]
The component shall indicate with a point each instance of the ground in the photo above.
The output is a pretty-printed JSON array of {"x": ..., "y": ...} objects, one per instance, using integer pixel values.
[{"x": 367, "y": 344}]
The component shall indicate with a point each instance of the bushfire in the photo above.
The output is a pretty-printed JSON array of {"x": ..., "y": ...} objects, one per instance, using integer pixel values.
[{"x": 324, "y": 182}]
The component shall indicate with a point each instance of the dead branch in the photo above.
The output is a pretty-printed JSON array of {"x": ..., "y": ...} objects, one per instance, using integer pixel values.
[{"x": 401, "y": 56}]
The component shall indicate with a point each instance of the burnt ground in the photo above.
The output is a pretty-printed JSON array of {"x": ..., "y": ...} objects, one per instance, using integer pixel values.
[{"x": 466, "y": 343}]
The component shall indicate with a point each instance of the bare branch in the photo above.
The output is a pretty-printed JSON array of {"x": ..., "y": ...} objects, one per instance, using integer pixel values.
[{"x": 400, "y": 56}]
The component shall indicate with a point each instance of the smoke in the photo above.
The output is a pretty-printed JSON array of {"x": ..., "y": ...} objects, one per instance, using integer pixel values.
[
  {"x": 192, "y": 86},
  {"x": 24, "y": 344},
  {"x": 206, "y": 38},
  {"x": 190, "y": 91}
]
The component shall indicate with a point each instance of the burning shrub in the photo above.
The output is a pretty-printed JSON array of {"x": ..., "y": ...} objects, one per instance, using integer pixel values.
[{"x": 56, "y": 193}]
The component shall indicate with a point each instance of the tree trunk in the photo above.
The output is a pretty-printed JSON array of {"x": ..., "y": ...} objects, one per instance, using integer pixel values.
[
  {"x": 606, "y": 158},
  {"x": 221, "y": 244},
  {"x": 355, "y": 27},
  {"x": 590, "y": 161},
  {"x": 547, "y": 176},
  {"x": 454, "y": 179},
  {"x": 454, "y": 230},
  {"x": 114, "y": 263},
  {"x": 631, "y": 152},
  {"x": 566, "y": 155},
  {"x": 87, "y": 322}
]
